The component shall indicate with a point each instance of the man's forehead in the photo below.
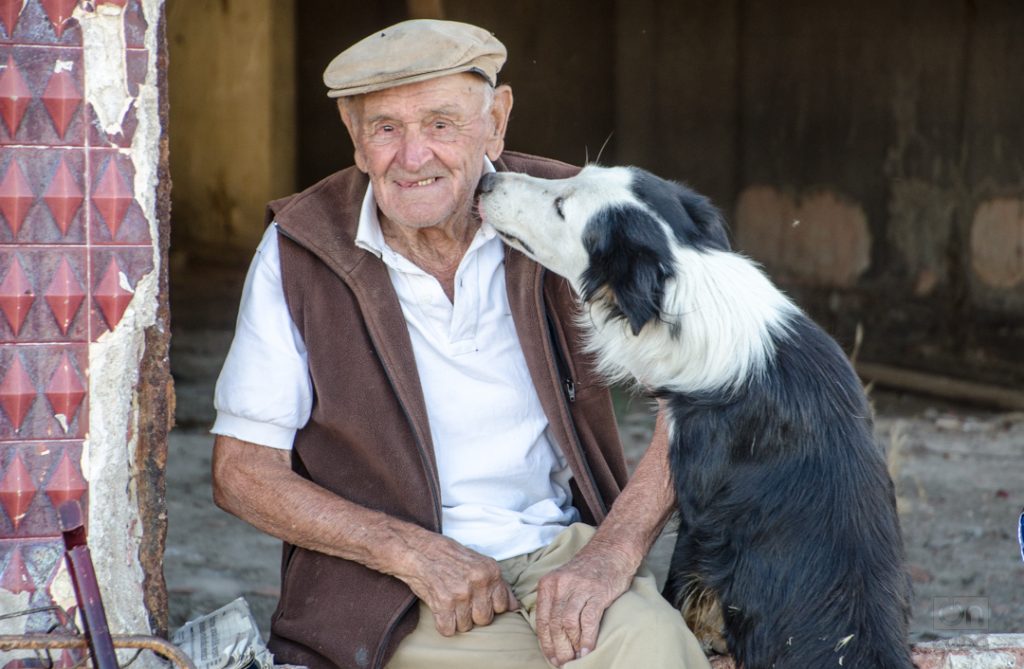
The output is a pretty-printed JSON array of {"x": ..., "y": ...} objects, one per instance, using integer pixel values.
[{"x": 454, "y": 93}]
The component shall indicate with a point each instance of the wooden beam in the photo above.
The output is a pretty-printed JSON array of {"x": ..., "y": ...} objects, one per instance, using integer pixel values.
[{"x": 941, "y": 386}]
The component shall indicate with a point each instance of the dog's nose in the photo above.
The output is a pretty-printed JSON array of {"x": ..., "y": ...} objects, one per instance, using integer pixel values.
[{"x": 486, "y": 184}]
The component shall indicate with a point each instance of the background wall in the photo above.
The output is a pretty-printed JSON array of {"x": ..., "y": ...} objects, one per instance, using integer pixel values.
[
  {"x": 868, "y": 154},
  {"x": 233, "y": 123}
]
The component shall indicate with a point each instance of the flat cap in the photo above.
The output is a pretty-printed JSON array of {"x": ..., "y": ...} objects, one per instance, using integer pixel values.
[{"x": 414, "y": 51}]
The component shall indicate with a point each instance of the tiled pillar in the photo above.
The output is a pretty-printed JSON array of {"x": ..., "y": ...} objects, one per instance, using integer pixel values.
[{"x": 80, "y": 266}]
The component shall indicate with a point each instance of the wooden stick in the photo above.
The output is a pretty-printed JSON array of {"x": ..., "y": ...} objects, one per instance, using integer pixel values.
[{"x": 941, "y": 386}]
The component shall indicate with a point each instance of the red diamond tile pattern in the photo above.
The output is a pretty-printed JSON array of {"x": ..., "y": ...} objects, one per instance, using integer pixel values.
[
  {"x": 66, "y": 482},
  {"x": 16, "y": 196},
  {"x": 65, "y": 392},
  {"x": 35, "y": 478},
  {"x": 17, "y": 393},
  {"x": 43, "y": 396},
  {"x": 113, "y": 293},
  {"x": 14, "y": 96},
  {"x": 16, "y": 490},
  {"x": 59, "y": 13},
  {"x": 64, "y": 295},
  {"x": 112, "y": 197},
  {"x": 54, "y": 158},
  {"x": 63, "y": 197},
  {"x": 16, "y": 296},
  {"x": 61, "y": 99},
  {"x": 16, "y": 578},
  {"x": 28, "y": 566},
  {"x": 67, "y": 660},
  {"x": 10, "y": 10}
]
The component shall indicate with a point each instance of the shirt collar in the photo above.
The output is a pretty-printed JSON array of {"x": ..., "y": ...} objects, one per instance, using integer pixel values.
[{"x": 369, "y": 236}]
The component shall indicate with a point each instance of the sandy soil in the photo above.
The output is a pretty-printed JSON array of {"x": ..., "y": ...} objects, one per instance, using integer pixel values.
[{"x": 960, "y": 485}]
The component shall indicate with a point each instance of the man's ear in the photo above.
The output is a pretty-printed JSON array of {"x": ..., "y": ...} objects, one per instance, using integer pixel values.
[
  {"x": 629, "y": 263},
  {"x": 349, "y": 118},
  {"x": 500, "y": 112}
]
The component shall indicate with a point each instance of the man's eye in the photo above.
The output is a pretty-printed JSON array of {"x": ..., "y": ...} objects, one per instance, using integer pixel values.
[
  {"x": 558, "y": 207},
  {"x": 442, "y": 129}
]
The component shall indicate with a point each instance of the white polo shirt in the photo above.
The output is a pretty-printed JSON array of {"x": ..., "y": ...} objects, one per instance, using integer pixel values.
[{"x": 504, "y": 483}]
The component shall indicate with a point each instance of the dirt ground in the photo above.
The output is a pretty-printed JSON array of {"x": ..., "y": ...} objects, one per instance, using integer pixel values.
[{"x": 959, "y": 474}]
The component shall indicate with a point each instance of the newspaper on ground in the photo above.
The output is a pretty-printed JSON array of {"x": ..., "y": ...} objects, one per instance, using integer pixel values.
[{"x": 225, "y": 639}]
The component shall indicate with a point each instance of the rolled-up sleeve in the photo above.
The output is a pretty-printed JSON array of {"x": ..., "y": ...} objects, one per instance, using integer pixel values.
[{"x": 264, "y": 394}]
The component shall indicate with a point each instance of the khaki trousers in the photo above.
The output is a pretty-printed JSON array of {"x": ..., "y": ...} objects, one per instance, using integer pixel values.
[{"x": 639, "y": 630}]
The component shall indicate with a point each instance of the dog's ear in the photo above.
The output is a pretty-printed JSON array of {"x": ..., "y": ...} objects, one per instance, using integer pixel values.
[
  {"x": 707, "y": 218},
  {"x": 629, "y": 257},
  {"x": 694, "y": 220}
]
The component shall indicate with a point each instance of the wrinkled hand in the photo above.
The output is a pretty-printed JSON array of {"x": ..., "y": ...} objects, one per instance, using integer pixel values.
[
  {"x": 463, "y": 588},
  {"x": 572, "y": 599}
]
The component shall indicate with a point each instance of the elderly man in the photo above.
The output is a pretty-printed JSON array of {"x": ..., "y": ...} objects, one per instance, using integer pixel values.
[{"x": 406, "y": 404}]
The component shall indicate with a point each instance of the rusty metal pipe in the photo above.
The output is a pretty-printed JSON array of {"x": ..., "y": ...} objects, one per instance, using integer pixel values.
[{"x": 161, "y": 647}]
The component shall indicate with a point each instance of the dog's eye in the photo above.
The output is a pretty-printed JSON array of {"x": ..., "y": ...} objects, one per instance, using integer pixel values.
[{"x": 558, "y": 207}]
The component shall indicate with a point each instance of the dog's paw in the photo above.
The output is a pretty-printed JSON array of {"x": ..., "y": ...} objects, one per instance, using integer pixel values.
[{"x": 703, "y": 615}]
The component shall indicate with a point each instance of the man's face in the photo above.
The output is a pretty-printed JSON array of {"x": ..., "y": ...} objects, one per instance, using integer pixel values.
[{"x": 423, "y": 145}]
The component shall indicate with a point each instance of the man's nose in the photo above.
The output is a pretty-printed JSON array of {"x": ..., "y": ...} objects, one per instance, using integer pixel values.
[
  {"x": 487, "y": 183},
  {"x": 414, "y": 153}
]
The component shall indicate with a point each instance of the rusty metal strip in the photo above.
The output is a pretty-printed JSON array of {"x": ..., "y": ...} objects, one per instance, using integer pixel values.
[{"x": 161, "y": 647}]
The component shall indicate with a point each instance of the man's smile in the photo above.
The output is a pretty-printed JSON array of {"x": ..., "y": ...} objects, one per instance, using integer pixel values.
[{"x": 416, "y": 184}]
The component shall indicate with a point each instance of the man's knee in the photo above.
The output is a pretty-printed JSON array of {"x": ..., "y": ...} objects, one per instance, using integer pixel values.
[
  {"x": 645, "y": 617},
  {"x": 647, "y": 631}
]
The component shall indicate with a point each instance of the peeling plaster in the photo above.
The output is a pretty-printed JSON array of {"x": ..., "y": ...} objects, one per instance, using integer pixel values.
[
  {"x": 104, "y": 52},
  {"x": 820, "y": 238},
  {"x": 63, "y": 592},
  {"x": 115, "y": 525},
  {"x": 997, "y": 243},
  {"x": 13, "y": 602}
]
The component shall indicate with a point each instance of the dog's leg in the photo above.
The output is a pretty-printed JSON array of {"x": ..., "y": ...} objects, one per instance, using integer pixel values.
[{"x": 698, "y": 603}]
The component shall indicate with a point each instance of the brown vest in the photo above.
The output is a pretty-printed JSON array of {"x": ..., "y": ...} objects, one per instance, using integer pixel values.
[{"x": 368, "y": 439}]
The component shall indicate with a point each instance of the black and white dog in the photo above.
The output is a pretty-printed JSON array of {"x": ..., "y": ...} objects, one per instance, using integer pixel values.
[{"x": 786, "y": 509}]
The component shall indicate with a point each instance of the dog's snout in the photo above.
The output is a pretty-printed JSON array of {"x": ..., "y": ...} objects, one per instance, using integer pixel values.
[{"x": 487, "y": 183}]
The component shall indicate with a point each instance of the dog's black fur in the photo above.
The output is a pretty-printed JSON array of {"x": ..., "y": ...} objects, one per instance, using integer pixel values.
[{"x": 786, "y": 508}]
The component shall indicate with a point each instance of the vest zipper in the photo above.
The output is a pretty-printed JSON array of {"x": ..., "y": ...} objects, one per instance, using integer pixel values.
[
  {"x": 569, "y": 394},
  {"x": 564, "y": 371},
  {"x": 432, "y": 482}
]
